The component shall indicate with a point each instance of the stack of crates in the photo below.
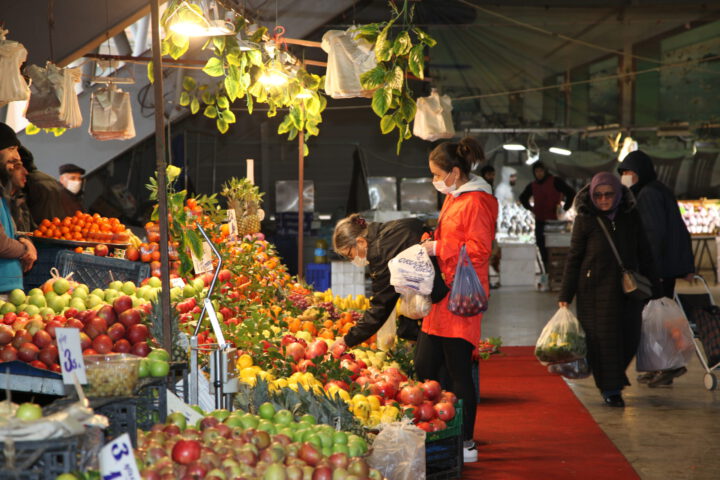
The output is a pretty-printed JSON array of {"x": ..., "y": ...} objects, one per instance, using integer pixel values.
[{"x": 444, "y": 449}]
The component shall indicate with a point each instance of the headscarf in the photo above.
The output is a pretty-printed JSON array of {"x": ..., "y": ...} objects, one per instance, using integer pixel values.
[{"x": 607, "y": 178}]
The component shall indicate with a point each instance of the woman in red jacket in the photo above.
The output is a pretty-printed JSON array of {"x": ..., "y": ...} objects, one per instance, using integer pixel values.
[{"x": 468, "y": 217}]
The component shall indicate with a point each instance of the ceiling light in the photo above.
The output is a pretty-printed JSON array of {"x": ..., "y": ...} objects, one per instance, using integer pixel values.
[
  {"x": 274, "y": 75},
  {"x": 514, "y": 147},
  {"x": 629, "y": 145},
  {"x": 560, "y": 151},
  {"x": 304, "y": 94},
  {"x": 532, "y": 158},
  {"x": 191, "y": 20}
]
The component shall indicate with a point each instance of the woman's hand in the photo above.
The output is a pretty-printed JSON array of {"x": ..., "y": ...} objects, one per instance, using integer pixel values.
[
  {"x": 430, "y": 247},
  {"x": 563, "y": 304},
  {"x": 30, "y": 256}
]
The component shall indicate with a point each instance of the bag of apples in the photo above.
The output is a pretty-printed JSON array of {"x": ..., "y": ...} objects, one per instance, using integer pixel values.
[{"x": 467, "y": 296}]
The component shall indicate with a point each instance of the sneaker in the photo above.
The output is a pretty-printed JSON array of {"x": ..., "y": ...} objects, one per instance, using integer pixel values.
[
  {"x": 646, "y": 377},
  {"x": 665, "y": 377},
  {"x": 470, "y": 454}
]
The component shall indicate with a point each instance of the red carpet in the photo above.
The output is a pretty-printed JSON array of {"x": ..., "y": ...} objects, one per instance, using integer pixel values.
[{"x": 531, "y": 426}]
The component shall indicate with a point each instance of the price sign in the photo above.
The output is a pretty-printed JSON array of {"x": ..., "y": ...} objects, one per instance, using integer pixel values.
[
  {"x": 117, "y": 460},
  {"x": 232, "y": 224},
  {"x": 177, "y": 282},
  {"x": 70, "y": 355},
  {"x": 175, "y": 404},
  {"x": 205, "y": 264}
]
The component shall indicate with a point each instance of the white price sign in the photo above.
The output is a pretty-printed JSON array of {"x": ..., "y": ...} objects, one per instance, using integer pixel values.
[
  {"x": 117, "y": 460},
  {"x": 205, "y": 264},
  {"x": 177, "y": 282},
  {"x": 175, "y": 404},
  {"x": 70, "y": 355},
  {"x": 232, "y": 224}
]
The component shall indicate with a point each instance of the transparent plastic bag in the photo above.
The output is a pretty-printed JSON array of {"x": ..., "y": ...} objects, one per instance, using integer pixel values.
[
  {"x": 13, "y": 86},
  {"x": 574, "y": 370},
  {"x": 414, "y": 306},
  {"x": 666, "y": 340},
  {"x": 386, "y": 334},
  {"x": 412, "y": 271},
  {"x": 399, "y": 452},
  {"x": 53, "y": 101},
  {"x": 467, "y": 296},
  {"x": 562, "y": 340}
]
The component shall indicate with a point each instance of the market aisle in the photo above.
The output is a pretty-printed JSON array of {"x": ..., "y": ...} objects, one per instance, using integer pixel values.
[{"x": 531, "y": 426}]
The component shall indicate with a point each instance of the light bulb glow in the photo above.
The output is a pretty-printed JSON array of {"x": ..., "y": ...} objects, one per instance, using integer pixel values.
[
  {"x": 273, "y": 78},
  {"x": 514, "y": 147},
  {"x": 304, "y": 94},
  {"x": 560, "y": 151}
]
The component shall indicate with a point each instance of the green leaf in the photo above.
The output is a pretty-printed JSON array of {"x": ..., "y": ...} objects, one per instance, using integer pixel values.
[
  {"x": 231, "y": 88},
  {"x": 228, "y": 116},
  {"x": 295, "y": 118},
  {"x": 194, "y": 105},
  {"x": 255, "y": 57},
  {"x": 258, "y": 35},
  {"x": 210, "y": 111},
  {"x": 150, "y": 73},
  {"x": 222, "y": 125},
  {"x": 381, "y": 101},
  {"x": 184, "y": 99},
  {"x": 222, "y": 101},
  {"x": 233, "y": 59},
  {"x": 31, "y": 129},
  {"x": 285, "y": 125},
  {"x": 312, "y": 129},
  {"x": 408, "y": 107},
  {"x": 313, "y": 105},
  {"x": 402, "y": 44},
  {"x": 383, "y": 47},
  {"x": 178, "y": 40},
  {"x": 416, "y": 61},
  {"x": 249, "y": 102},
  {"x": 208, "y": 98},
  {"x": 189, "y": 83},
  {"x": 401, "y": 137},
  {"x": 306, "y": 150},
  {"x": 214, "y": 67},
  {"x": 164, "y": 48},
  {"x": 424, "y": 37},
  {"x": 176, "y": 50},
  {"x": 293, "y": 134},
  {"x": 373, "y": 78},
  {"x": 245, "y": 80},
  {"x": 219, "y": 42},
  {"x": 394, "y": 78},
  {"x": 387, "y": 124},
  {"x": 193, "y": 242}
]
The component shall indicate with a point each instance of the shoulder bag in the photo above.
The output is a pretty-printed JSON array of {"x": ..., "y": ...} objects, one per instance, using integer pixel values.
[{"x": 634, "y": 284}]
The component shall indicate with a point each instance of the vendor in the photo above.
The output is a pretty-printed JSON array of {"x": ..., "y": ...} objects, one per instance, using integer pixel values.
[
  {"x": 71, "y": 177},
  {"x": 43, "y": 192},
  {"x": 374, "y": 245}
]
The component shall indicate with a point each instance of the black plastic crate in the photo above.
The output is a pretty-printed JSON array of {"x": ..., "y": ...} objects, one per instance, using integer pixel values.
[
  {"x": 98, "y": 272},
  {"x": 152, "y": 405},
  {"x": 444, "y": 449},
  {"x": 42, "y": 459},
  {"x": 47, "y": 259},
  {"x": 179, "y": 372},
  {"x": 122, "y": 417}
]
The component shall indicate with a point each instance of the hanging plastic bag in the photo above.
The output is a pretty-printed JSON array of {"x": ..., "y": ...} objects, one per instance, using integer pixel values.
[
  {"x": 574, "y": 370},
  {"x": 53, "y": 101},
  {"x": 467, "y": 296},
  {"x": 412, "y": 271},
  {"x": 433, "y": 119},
  {"x": 414, "y": 306},
  {"x": 13, "y": 86},
  {"x": 666, "y": 339},
  {"x": 348, "y": 58},
  {"x": 399, "y": 452},
  {"x": 386, "y": 334},
  {"x": 562, "y": 340},
  {"x": 111, "y": 115}
]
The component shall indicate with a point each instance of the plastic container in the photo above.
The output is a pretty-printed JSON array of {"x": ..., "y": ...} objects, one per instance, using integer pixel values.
[
  {"x": 98, "y": 272},
  {"x": 318, "y": 275},
  {"x": 41, "y": 459},
  {"x": 443, "y": 449},
  {"x": 111, "y": 375}
]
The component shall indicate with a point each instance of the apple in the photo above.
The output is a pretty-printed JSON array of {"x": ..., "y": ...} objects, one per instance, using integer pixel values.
[
  {"x": 141, "y": 349},
  {"x": 28, "y": 352},
  {"x": 85, "y": 341},
  {"x": 96, "y": 326},
  {"x": 101, "y": 250},
  {"x": 8, "y": 353},
  {"x": 29, "y": 411},
  {"x": 116, "y": 331},
  {"x": 6, "y": 334},
  {"x": 411, "y": 395},
  {"x": 102, "y": 344},
  {"x": 130, "y": 317},
  {"x": 42, "y": 339},
  {"x": 107, "y": 313},
  {"x": 122, "y": 346},
  {"x": 431, "y": 389},
  {"x": 138, "y": 333},
  {"x": 48, "y": 355},
  {"x": 445, "y": 411},
  {"x": 186, "y": 452},
  {"x": 122, "y": 303}
]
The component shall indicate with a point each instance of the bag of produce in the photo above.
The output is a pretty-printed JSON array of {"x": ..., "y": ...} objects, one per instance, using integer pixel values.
[
  {"x": 414, "y": 306},
  {"x": 467, "y": 297},
  {"x": 562, "y": 340},
  {"x": 573, "y": 370},
  {"x": 666, "y": 340},
  {"x": 399, "y": 451},
  {"x": 412, "y": 271},
  {"x": 386, "y": 334}
]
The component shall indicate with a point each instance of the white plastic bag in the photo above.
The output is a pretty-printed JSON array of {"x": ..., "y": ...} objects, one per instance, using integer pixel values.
[
  {"x": 562, "y": 340},
  {"x": 348, "y": 58},
  {"x": 433, "y": 119},
  {"x": 386, "y": 334},
  {"x": 53, "y": 101},
  {"x": 666, "y": 340},
  {"x": 13, "y": 86},
  {"x": 111, "y": 115},
  {"x": 412, "y": 271},
  {"x": 414, "y": 306},
  {"x": 399, "y": 452}
]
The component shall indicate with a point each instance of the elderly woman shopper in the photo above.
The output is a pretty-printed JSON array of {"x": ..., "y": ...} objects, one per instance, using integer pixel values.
[{"x": 611, "y": 319}]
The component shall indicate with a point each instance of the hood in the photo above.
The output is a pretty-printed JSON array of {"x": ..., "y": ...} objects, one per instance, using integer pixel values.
[
  {"x": 640, "y": 163},
  {"x": 474, "y": 184},
  {"x": 583, "y": 204},
  {"x": 506, "y": 173}
]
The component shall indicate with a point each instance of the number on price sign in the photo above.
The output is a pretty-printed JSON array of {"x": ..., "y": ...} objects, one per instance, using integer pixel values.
[
  {"x": 71, "y": 359},
  {"x": 117, "y": 460}
]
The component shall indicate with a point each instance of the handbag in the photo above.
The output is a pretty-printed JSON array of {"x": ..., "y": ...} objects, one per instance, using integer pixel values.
[{"x": 634, "y": 284}]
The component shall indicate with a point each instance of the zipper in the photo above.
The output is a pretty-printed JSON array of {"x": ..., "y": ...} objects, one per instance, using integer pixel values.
[{"x": 612, "y": 223}]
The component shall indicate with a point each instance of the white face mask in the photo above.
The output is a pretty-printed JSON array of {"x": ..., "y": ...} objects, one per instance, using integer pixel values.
[
  {"x": 627, "y": 180},
  {"x": 74, "y": 185},
  {"x": 442, "y": 188}
]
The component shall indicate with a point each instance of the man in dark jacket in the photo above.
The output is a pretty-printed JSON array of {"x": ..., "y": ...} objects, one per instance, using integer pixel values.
[
  {"x": 666, "y": 231},
  {"x": 546, "y": 191},
  {"x": 71, "y": 177},
  {"x": 43, "y": 192}
]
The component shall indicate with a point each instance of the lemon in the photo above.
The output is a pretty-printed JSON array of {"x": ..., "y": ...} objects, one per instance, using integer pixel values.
[
  {"x": 359, "y": 398},
  {"x": 344, "y": 395},
  {"x": 244, "y": 361},
  {"x": 374, "y": 402},
  {"x": 248, "y": 372}
]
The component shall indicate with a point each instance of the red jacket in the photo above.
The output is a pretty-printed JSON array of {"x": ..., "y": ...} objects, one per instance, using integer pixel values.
[{"x": 468, "y": 217}]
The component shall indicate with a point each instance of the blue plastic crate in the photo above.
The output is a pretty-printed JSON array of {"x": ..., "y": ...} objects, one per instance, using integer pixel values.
[
  {"x": 47, "y": 259},
  {"x": 98, "y": 272},
  {"x": 318, "y": 275}
]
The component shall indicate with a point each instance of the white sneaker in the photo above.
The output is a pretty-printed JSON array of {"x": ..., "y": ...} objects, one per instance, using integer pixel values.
[{"x": 470, "y": 454}]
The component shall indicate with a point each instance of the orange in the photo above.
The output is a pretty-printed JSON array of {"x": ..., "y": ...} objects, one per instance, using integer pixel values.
[{"x": 155, "y": 255}]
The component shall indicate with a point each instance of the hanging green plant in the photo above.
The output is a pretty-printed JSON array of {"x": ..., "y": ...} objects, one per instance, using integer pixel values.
[
  {"x": 31, "y": 129},
  {"x": 398, "y": 52}
]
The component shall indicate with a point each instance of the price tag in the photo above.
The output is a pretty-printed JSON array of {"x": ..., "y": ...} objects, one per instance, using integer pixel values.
[
  {"x": 214, "y": 322},
  {"x": 175, "y": 404},
  {"x": 177, "y": 282},
  {"x": 206, "y": 264},
  {"x": 232, "y": 224},
  {"x": 117, "y": 460},
  {"x": 70, "y": 355}
]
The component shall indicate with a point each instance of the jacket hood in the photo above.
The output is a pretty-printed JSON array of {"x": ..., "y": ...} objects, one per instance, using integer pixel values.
[
  {"x": 506, "y": 173},
  {"x": 474, "y": 184},
  {"x": 583, "y": 204},
  {"x": 640, "y": 163}
]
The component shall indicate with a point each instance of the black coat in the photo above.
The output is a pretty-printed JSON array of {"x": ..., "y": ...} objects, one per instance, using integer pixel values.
[
  {"x": 385, "y": 241},
  {"x": 665, "y": 229},
  {"x": 611, "y": 320}
]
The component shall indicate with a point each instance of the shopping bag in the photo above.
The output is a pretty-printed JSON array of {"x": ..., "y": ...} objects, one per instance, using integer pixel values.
[
  {"x": 53, "y": 101},
  {"x": 412, "y": 271},
  {"x": 414, "y": 306},
  {"x": 467, "y": 296},
  {"x": 386, "y": 334},
  {"x": 399, "y": 451},
  {"x": 574, "y": 370},
  {"x": 562, "y": 340},
  {"x": 111, "y": 115},
  {"x": 666, "y": 339},
  {"x": 13, "y": 86}
]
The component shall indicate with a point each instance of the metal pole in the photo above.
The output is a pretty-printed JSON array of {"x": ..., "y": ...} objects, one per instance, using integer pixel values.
[
  {"x": 301, "y": 212},
  {"x": 162, "y": 176}
]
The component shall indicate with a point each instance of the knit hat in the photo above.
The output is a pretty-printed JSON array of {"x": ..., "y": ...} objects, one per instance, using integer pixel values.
[
  {"x": 27, "y": 158},
  {"x": 71, "y": 168},
  {"x": 7, "y": 137}
]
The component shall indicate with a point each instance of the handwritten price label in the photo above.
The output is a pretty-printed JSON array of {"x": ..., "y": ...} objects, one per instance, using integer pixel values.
[
  {"x": 70, "y": 353},
  {"x": 232, "y": 225},
  {"x": 177, "y": 282},
  {"x": 206, "y": 263},
  {"x": 117, "y": 460}
]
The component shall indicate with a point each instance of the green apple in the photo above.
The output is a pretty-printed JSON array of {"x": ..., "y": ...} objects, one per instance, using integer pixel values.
[
  {"x": 159, "y": 368},
  {"x": 7, "y": 308},
  {"x": 234, "y": 420},
  {"x": 58, "y": 304},
  {"x": 221, "y": 414},
  {"x": 159, "y": 354},
  {"x": 17, "y": 297},
  {"x": 249, "y": 421},
  {"x": 136, "y": 302},
  {"x": 35, "y": 291},
  {"x": 31, "y": 310},
  {"x": 80, "y": 293},
  {"x": 115, "y": 285},
  {"x": 199, "y": 284},
  {"x": 176, "y": 293},
  {"x": 283, "y": 417},
  {"x": 128, "y": 288},
  {"x": 78, "y": 304},
  {"x": 155, "y": 282},
  {"x": 93, "y": 301},
  {"x": 37, "y": 300},
  {"x": 188, "y": 291},
  {"x": 29, "y": 411},
  {"x": 144, "y": 370},
  {"x": 61, "y": 285},
  {"x": 177, "y": 418},
  {"x": 99, "y": 292},
  {"x": 47, "y": 311}
]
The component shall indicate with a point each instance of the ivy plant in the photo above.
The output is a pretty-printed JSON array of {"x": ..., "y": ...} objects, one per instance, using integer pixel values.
[{"x": 398, "y": 52}]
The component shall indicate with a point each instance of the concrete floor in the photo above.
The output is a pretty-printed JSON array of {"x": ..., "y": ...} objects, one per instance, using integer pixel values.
[{"x": 665, "y": 433}]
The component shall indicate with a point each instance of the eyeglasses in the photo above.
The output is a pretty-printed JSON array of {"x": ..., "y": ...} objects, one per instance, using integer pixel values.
[{"x": 599, "y": 195}]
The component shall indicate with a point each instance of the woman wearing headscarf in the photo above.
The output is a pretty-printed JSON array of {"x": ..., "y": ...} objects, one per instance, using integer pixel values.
[{"x": 611, "y": 319}]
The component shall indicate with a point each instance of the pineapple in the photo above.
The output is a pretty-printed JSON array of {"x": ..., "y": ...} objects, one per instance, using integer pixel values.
[{"x": 244, "y": 198}]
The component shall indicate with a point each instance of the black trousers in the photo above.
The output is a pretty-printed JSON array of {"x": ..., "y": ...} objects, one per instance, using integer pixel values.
[
  {"x": 455, "y": 354},
  {"x": 668, "y": 287},
  {"x": 540, "y": 241}
]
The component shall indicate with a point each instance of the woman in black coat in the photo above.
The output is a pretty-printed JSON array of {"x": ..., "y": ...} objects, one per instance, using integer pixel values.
[{"x": 611, "y": 320}]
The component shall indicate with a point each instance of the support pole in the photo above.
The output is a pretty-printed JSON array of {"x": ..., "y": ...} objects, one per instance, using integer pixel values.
[
  {"x": 301, "y": 198},
  {"x": 162, "y": 175}
]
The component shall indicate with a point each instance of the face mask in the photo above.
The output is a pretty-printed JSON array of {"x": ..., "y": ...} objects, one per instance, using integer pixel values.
[
  {"x": 442, "y": 188},
  {"x": 627, "y": 180},
  {"x": 360, "y": 262},
  {"x": 74, "y": 185}
]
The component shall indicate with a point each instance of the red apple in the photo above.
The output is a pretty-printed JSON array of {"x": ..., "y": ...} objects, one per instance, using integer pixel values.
[
  {"x": 122, "y": 346},
  {"x": 48, "y": 355},
  {"x": 101, "y": 250},
  {"x": 42, "y": 339},
  {"x": 21, "y": 336},
  {"x": 107, "y": 313},
  {"x": 8, "y": 354},
  {"x": 28, "y": 352},
  {"x": 130, "y": 317},
  {"x": 141, "y": 349},
  {"x": 6, "y": 334},
  {"x": 96, "y": 326},
  {"x": 85, "y": 341},
  {"x": 102, "y": 344},
  {"x": 186, "y": 452},
  {"x": 116, "y": 331},
  {"x": 137, "y": 333},
  {"x": 122, "y": 303}
]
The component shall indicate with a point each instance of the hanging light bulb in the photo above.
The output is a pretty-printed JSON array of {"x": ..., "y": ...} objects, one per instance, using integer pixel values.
[
  {"x": 191, "y": 20},
  {"x": 305, "y": 93},
  {"x": 629, "y": 145},
  {"x": 274, "y": 75},
  {"x": 514, "y": 147},
  {"x": 560, "y": 151}
]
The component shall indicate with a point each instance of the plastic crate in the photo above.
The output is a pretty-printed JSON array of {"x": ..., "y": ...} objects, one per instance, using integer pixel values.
[
  {"x": 179, "y": 372},
  {"x": 42, "y": 459},
  {"x": 40, "y": 273},
  {"x": 98, "y": 272},
  {"x": 443, "y": 449},
  {"x": 318, "y": 275}
]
